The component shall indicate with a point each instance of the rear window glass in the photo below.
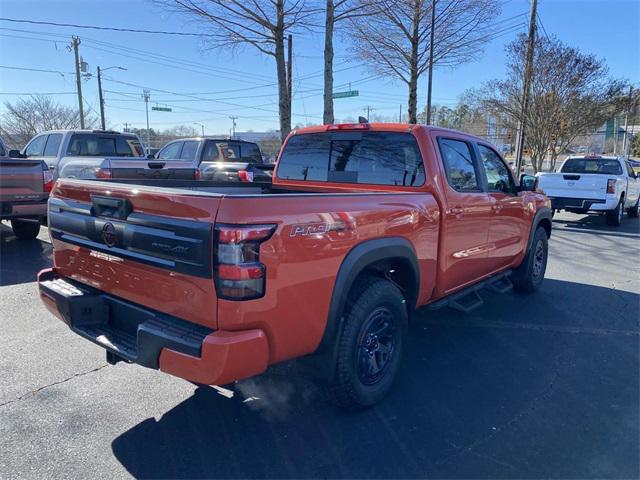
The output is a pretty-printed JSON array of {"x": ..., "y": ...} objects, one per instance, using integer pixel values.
[
  {"x": 98, "y": 145},
  {"x": 376, "y": 158},
  {"x": 592, "y": 165}
]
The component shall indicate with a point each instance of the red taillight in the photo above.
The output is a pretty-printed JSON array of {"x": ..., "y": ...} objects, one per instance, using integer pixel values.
[
  {"x": 611, "y": 185},
  {"x": 348, "y": 126},
  {"x": 103, "y": 173},
  {"x": 198, "y": 174},
  {"x": 47, "y": 179},
  {"x": 239, "y": 275},
  {"x": 245, "y": 176}
]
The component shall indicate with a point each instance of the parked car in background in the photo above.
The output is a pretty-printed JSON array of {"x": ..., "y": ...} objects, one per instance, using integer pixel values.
[
  {"x": 594, "y": 183},
  {"x": 24, "y": 190},
  {"x": 218, "y": 159},
  {"x": 362, "y": 224},
  {"x": 635, "y": 164},
  {"x": 88, "y": 153}
]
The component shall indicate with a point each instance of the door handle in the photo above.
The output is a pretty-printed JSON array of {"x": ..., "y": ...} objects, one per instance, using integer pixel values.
[
  {"x": 497, "y": 208},
  {"x": 457, "y": 211}
]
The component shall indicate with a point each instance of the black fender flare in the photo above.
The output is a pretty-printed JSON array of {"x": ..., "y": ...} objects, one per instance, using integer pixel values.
[
  {"x": 543, "y": 213},
  {"x": 354, "y": 263}
]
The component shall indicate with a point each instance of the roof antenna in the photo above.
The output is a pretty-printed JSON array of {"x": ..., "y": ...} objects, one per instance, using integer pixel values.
[{"x": 362, "y": 120}]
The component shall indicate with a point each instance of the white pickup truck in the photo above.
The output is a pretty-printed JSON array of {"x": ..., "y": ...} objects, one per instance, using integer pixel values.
[{"x": 594, "y": 184}]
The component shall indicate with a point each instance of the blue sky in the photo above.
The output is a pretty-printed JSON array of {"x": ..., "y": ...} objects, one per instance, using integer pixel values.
[{"x": 607, "y": 28}]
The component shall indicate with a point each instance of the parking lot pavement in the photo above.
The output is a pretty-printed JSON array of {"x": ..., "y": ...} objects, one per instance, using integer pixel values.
[{"x": 527, "y": 386}]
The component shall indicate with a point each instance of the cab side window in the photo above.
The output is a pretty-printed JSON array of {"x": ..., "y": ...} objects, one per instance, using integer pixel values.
[
  {"x": 189, "y": 150},
  {"x": 498, "y": 177},
  {"x": 53, "y": 145},
  {"x": 36, "y": 147},
  {"x": 459, "y": 165},
  {"x": 630, "y": 171},
  {"x": 170, "y": 152}
]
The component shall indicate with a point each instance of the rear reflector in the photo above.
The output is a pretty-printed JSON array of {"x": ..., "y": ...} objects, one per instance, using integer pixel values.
[
  {"x": 611, "y": 185},
  {"x": 245, "y": 176},
  {"x": 103, "y": 173},
  {"x": 47, "y": 178},
  {"x": 348, "y": 126}
]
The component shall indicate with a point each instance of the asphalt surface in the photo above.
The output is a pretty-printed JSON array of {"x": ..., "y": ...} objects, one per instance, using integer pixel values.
[{"x": 527, "y": 386}]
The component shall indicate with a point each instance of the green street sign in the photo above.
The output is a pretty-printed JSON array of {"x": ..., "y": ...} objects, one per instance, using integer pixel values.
[
  {"x": 161, "y": 109},
  {"x": 350, "y": 93}
]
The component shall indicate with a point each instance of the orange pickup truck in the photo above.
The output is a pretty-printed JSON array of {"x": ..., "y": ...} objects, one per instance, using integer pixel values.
[{"x": 363, "y": 224}]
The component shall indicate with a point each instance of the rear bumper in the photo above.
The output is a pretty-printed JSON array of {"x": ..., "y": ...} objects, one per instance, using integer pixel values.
[
  {"x": 153, "y": 339},
  {"x": 23, "y": 209},
  {"x": 569, "y": 203}
]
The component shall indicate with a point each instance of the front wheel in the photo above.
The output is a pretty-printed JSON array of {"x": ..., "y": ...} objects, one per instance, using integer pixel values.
[
  {"x": 529, "y": 275},
  {"x": 614, "y": 217},
  {"x": 370, "y": 346},
  {"x": 25, "y": 229}
]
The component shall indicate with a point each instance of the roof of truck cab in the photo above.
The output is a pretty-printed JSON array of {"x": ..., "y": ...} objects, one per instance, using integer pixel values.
[
  {"x": 86, "y": 130},
  {"x": 215, "y": 139},
  {"x": 389, "y": 127}
]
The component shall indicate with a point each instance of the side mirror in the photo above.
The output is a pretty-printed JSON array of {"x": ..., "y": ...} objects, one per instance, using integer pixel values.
[
  {"x": 528, "y": 183},
  {"x": 151, "y": 156},
  {"x": 16, "y": 154}
]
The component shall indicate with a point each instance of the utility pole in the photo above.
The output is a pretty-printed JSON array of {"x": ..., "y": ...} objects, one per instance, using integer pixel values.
[
  {"x": 101, "y": 99},
  {"x": 233, "y": 128},
  {"x": 289, "y": 74},
  {"x": 616, "y": 126},
  {"x": 146, "y": 95},
  {"x": 126, "y": 126},
  {"x": 528, "y": 69},
  {"x": 369, "y": 109},
  {"x": 75, "y": 42},
  {"x": 433, "y": 29},
  {"x": 400, "y": 115},
  {"x": 626, "y": 123}
]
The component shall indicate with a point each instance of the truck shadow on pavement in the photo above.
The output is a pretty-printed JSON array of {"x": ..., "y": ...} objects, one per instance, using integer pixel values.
[
  {"x": 522, "y": 388},
  {"x": 21, "y": 260},
  {"x": 630, "y": 227}
]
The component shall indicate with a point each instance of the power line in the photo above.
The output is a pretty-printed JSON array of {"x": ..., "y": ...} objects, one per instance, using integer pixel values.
[
  {"x": 113, "y": 29},
  {"x": 542, "y": 26}
]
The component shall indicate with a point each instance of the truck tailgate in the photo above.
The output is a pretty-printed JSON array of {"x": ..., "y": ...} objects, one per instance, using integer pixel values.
[
  {"x": 20, "y": 180},
  {"x": 130, "y": 241},
  {"x": 152, "y": 169},
  {"x": 575, "y": 185}
]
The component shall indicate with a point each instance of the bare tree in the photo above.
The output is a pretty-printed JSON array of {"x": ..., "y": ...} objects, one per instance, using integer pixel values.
[
  {"x": 337, "y": 11},
  {"x": 27, "y": 117},
  {"x": 261, "y": 24},
  {"x": 394, "y": 37},
  {"x": 571, "y": 95}
]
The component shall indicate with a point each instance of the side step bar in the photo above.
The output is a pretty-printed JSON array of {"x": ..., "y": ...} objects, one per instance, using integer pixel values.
[{"x": 469, "y": 299}]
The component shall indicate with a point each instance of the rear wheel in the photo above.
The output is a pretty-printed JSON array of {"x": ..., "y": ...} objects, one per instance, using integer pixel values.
[
  {"x": 614, "y": 217},
  {"x": 633, "y": 211},
  {"x": 370, "y": 346},
  {"x": 529, "y": 275},
  {"x": 25, "y": 229}
]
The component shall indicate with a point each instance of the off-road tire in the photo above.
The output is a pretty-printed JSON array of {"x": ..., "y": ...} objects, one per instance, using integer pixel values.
[
  {"x": 528, "y": 277},
  {"x": 25, "y": 229},
  {"x": 614, "y": 217},
  {"x": 373, "y": 300}
]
